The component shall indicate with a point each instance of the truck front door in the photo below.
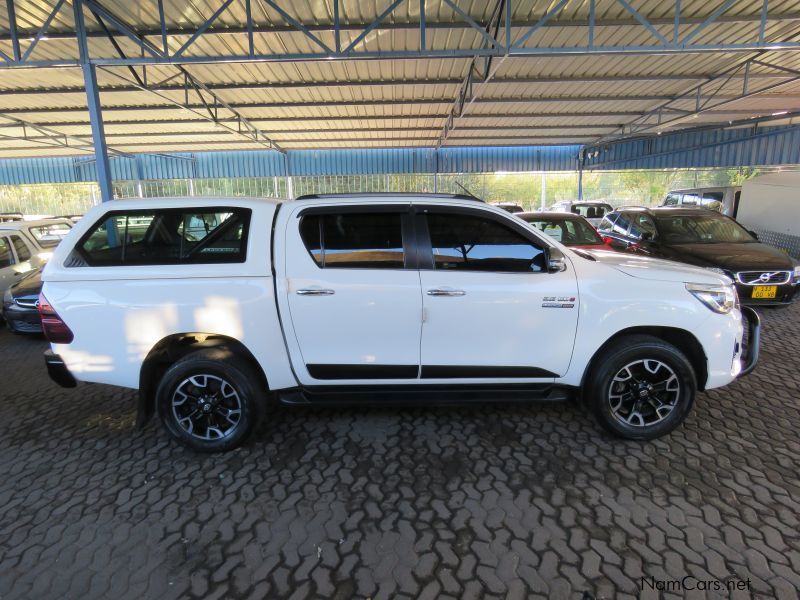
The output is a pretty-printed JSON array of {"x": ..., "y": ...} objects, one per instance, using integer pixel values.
[{"x": 492, "y": 310}]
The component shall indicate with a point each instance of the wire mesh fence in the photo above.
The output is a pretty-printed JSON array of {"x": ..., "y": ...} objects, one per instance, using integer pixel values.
[{"x": 530, "y": 190}]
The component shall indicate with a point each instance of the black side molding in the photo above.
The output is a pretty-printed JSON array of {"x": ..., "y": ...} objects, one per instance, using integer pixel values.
[
  {"x": 58, "y": 370},
  {"x": 750, "y": 356},
  {"x": 482, "y": 372},
  {"x": 363, "y": 371}
]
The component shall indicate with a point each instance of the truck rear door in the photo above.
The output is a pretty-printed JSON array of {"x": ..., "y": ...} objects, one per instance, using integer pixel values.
[{"x": 352, "y": 302}]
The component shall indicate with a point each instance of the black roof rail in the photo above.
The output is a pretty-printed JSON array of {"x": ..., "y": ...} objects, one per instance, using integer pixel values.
[{"x": 387, "y": 195}]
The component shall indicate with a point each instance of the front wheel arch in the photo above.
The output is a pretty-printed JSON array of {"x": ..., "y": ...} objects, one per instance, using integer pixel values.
[{"x": 682, "y": 339}]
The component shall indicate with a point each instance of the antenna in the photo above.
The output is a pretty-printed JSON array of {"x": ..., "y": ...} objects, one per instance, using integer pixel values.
[{"x": 466, "y": 191}]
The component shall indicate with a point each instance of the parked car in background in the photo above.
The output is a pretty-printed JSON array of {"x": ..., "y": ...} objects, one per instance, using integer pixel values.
[
  {"x": 723, "y": 199},
  {"x": 10, "y": 217},
  {"x": 592, "y": 210},
  {"x": 18, "y": 255},
  {"x": 763, "y": 274},
  {"x": 21, "y": 304},
  {"x": 376, "y": 298},
  {"x": 770, "y": 206},
  {"x": 42, "y": 235},
  {"x": 509, "y": 207},
  {"x": 570, "y": 229},
  {"x": 73, "y": 218}
]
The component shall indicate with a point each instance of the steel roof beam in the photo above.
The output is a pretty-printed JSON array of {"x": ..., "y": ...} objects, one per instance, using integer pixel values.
[
  {"x": 243, "y": 126},
  {"x": 237, "y": 106},
  {"x": 512, "y": 44},
  {"x": 655, "y": 118},
  {"x": 111, "y": 89},
  {"x": 268, "y": 28}
]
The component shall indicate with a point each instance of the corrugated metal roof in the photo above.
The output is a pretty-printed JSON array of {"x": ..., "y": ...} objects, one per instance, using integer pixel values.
[{"x": 378, "y": 104}]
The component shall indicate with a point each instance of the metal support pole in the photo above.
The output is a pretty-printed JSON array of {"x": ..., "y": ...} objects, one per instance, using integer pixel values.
[
  {"x": 580, "y": 179},
  {"x": 95, "y": 112},
  {"x": 102, "y": 163},
  {"x": 543, "y": 202}
]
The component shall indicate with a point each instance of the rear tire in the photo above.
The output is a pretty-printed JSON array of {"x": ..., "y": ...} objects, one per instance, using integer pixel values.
[
  {"x": 211, "y": 400},
  {"x": 642, "y": 388}
]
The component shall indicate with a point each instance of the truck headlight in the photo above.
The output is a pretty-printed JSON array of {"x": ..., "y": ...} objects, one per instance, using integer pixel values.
[
  {"x": 796, "y": 278},
  {"x": 8, "y": 298},
  {"x": 719, "y": 298}
]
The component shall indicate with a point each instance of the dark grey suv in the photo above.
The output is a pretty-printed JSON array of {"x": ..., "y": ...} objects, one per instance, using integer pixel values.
[{"x": 764, "y": 275}]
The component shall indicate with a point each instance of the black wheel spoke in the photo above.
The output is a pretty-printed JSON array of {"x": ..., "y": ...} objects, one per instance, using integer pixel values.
[
  {"x": 643, "y": 392},
  {"x": 206, "y": 406}
]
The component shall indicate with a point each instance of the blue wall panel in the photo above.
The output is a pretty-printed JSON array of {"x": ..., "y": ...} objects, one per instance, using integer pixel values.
[
  {"x": 37, "y": 170},
  {"x": 709, "y": 148},
  {"x": 740, "y": 147}
]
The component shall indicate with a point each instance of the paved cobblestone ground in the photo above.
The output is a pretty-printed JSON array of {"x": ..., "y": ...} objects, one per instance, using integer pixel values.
[{"x": 499, "y": 502}]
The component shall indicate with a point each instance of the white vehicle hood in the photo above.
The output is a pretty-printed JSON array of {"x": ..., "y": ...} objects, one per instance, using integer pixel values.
[{"x": 656, "y": 269}]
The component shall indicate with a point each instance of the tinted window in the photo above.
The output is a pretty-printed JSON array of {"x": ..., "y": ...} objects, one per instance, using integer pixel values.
[
  {"x": 642, "y": 223},
  {"x": 713, "y": 200},
  {"x": 622, "y": 224},
  {"x": 168, "y": 237},
  {"x": 567, "y": 231},
  {"x": 472, "y": 243},
  {"x": 707, "y": 227},
  {"x": 6, "y": 259},
  {"x": 23, "y": 252},
  {"x": 354, "y": 240},
  {"x": 49, "y": 235},
  {"x": 607, "y": 224},
  {"x": 691, "y": 198},
  {"x": 591, "y": 210}
]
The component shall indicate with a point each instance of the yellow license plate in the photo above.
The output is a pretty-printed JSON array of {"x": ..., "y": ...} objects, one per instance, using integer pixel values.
[{"x": 764, "y": 291}]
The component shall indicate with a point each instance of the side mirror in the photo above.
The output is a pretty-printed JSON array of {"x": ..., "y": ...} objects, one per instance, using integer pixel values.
[
  {"x": 647, "y": 236},
  {"x": 556, "y": 261}
]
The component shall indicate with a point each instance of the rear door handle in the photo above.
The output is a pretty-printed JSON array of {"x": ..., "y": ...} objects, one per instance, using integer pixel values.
[
  {"x": 315, "y": 292},
  {"x": 446, "y": 292}
]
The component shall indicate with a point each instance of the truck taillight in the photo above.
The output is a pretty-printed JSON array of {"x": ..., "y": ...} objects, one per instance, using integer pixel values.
[{"x": 55, "y": 330}]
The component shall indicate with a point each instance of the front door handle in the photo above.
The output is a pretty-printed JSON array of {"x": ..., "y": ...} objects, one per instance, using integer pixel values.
[
  {"x": 315, "y": 292},
  {"x": 446, "y": 292}
]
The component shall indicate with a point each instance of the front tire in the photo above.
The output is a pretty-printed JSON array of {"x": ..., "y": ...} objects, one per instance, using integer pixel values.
[
  {"x": 642, "y": 388},
  {"x": 211, "y": 400}
]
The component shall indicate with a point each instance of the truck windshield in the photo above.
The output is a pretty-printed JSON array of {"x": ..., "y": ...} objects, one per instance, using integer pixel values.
[{"x": 701, "y": 229}]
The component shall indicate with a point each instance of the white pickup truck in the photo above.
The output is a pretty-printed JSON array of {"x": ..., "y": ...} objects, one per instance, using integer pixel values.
[{"x": 217, "y": 308}]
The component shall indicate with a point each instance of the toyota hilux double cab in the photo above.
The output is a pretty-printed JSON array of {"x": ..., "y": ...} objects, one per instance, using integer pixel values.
[{"x": 217, "y": 309}]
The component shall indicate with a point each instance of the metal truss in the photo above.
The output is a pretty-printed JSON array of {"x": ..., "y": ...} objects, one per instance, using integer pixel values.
[
  {"x": 706, "y": 97},
  {"x": 46, "y": 136},
  {"x": 333, "y": 83},
  {"x": 516, "y": 38}
]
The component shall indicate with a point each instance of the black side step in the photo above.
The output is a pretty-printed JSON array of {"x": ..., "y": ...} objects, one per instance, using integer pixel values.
[{"x": 427, "y": 395}]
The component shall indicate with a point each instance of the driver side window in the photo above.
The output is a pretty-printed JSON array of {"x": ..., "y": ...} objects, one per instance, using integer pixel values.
[{"x": 474, "y": 243}]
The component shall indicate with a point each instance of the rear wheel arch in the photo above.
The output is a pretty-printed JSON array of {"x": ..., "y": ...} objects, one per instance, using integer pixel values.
[
  {"x": 173, "y": 348},
  {"x": 682, "y": 339}
]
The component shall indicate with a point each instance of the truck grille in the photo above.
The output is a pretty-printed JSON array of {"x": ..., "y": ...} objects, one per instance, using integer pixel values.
[{"x": 764, "y": 277}]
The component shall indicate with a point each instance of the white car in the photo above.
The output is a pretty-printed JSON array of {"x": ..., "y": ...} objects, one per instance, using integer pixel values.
[
  {"x": 375, "y": 298},
  {"x": 591, "y": 210},
  {"x": 26, "y": 245}
]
